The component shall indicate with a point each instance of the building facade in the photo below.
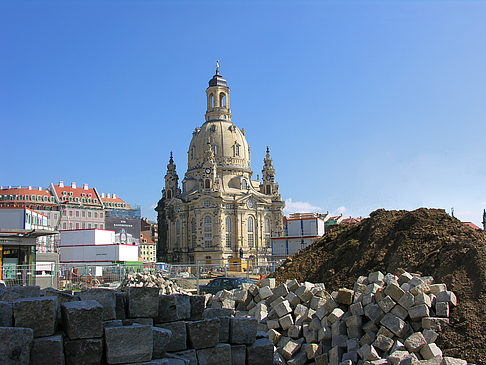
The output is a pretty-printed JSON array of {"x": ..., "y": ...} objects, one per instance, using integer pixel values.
[
  {"x": 39, "y": 199},
  {"x": 147, "y": 249},
  {"x": 220, "y": 212},
  {"x": 21, "y": 229},
  {"x": 69, "y": 207},
  {"x": 80, "y": 207}
]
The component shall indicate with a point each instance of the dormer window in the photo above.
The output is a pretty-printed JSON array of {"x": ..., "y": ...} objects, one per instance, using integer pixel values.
[{"x": 236, "y": 150}]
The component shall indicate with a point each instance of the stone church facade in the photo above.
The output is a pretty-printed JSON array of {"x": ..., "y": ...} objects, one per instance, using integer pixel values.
[{"x": 220, "y": 212}]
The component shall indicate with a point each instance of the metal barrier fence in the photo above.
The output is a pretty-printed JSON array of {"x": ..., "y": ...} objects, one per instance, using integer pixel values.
[{"x": 80, "y": 277}]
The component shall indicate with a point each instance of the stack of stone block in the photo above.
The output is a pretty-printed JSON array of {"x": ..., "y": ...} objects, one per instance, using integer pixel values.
[
  {"x": 384, "y": 319},
  {"x": 136, "y": 326}
]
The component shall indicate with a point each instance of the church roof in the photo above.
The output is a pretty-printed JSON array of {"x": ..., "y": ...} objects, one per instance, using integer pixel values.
[{"x": 217, "y": 80}]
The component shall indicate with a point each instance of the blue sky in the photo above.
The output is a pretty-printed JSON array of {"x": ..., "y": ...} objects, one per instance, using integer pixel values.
[{"x": 364, "y": 105}]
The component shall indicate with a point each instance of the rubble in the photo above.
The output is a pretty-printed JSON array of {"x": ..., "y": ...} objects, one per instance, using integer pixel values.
[{"x": 157, "y": 280}]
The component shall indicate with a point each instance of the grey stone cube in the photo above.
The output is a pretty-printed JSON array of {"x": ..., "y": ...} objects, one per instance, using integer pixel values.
[
  {"x": 183, "y": 304},
  {"x": 82, "y": 319},
  {"x": 345, "y": 296},
  {"x": 198, "y": 305},
  {"x": 6, "y": 314},
  {"x": 120, "y": 305},
  {"x": 128, "y": 344},
  {"x": 394, "y": 292},
  {"x": 13, "y": 293},
  {"x": 51, "y": 348},
  {"x": 415, "y": 342},
  {"x": 178, "y": 341},
  {"x": 40, "y": 314},
  {"x": 106, "y": 297},
  {"x": 143, "y": 302},
  {"x": 15, "y": 345},
  {"x": 189, "y": 355},
  {"x": 62, "y": 297},
  {"x": 161, "y": 339},
  {"x": 394, "y": 324},
  {"x": 418, "y": 311},
  {"x": 270, "y": 282},
  {"x": 442, "y": 309},
  {"x": 87, "y": 351},
  {"x": 238, "y": 355},
  {"x": 260, "y": 352},
  {"x": 383, "y": 343},
  {"x": 204, "y": 333},
  {"x": 218, "y": 355},
  {"x": 243, "y": 330}
]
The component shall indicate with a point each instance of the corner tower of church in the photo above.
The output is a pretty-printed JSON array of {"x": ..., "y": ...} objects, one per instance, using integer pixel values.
[{"x": 220, "y": 212}]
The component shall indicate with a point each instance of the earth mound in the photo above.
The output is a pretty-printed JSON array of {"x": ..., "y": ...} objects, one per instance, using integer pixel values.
[{"x": 426, "y": 241}]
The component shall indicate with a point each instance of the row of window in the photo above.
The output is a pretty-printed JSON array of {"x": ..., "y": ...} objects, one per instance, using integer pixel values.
[
  {"x": 78, "y": 200},
  {"x": 78, "y": 225},
  {"x": 34, "y": 198},
  {"x": 214, "y": 148},
  {"x": 84, "y": 213},
  {"x": 208, "y": 229}
]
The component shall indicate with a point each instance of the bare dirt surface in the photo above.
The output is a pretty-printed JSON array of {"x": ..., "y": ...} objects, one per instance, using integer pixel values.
[{"x": 426, "y": 241}]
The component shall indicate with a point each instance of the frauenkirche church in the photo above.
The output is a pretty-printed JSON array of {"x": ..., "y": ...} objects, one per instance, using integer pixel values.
[{"x": 220, "y": 213}]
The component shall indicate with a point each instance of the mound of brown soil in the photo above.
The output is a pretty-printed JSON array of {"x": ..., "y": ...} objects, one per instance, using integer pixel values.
[{"x": 426, "y": 241}]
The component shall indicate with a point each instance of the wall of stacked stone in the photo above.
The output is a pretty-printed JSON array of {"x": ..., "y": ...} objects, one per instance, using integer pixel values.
[
  {"x": 384, "y": 319},
  {"x": 134, "y": 326}
]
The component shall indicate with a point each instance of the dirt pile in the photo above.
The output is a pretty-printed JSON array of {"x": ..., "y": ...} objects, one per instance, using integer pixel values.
[{"x": 426, "y": 241}]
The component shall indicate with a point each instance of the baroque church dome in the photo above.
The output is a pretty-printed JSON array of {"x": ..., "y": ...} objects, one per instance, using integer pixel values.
[
  {"x": 219, "y": 133},
  {"x": 225, "y": 139}
]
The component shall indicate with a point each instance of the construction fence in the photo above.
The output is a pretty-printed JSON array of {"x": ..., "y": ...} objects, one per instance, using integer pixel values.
[{"x": 81, "y": 277}]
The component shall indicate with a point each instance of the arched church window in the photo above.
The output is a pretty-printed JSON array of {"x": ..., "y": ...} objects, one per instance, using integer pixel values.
[
  {"x": 193, "y": 232},
  {"x": 207, "y": 184},
  {"x": 169, "y": 194},
  {"x": 208, "y": 228},
  {"x": 211, "y": 100},
  {"x": 222, "y": 99},
  {"x": 228, "y": 232},
  {"x": 178, "y": 232},
  {"x": 244, "y": 184},
  {"x": 208, "y": 224},
  {"x": 269, "y": 190},
  {"x": 206, "y": 204},
  {"x": 251, "y": 239}
]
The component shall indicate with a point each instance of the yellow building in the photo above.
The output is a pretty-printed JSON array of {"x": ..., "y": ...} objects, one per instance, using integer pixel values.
[
  {"x": 221, "y": 212},
  {"x": 147, "y": 249}
]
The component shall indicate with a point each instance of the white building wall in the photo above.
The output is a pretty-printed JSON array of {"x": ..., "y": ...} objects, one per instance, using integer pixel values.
[
  {"x": 23, "y": 218},
  {"x": 95, "y": 247}
]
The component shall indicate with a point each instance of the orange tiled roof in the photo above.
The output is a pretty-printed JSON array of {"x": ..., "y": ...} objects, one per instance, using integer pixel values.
[
  {"x": 66, "y": 192},
  {"x": 472, "y": 225},
  {"x": 145, "y": 238}
]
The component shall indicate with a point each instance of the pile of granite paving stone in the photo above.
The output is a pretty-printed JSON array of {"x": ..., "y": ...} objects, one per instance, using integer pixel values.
[{"x": 383, "y": 319}]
